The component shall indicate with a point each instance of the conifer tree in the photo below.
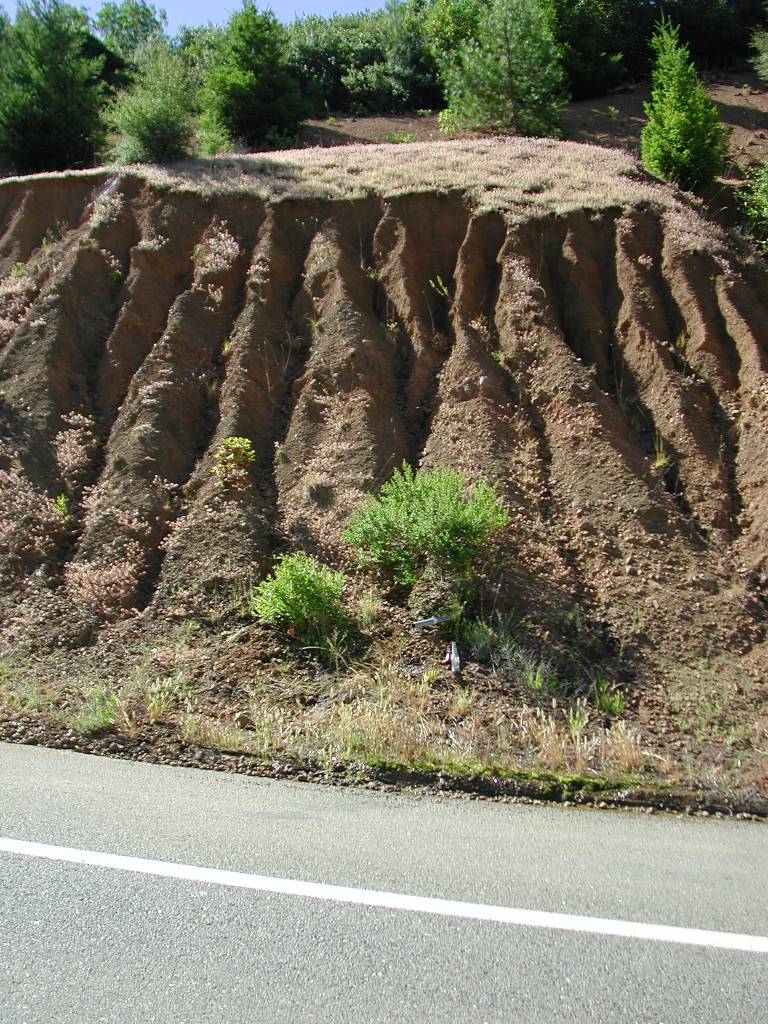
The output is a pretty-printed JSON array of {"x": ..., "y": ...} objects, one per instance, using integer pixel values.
[
  {"x": 683, "y": 141},
  {"x": 509, "y": 77},
  {"x": 50, "y": 93}
]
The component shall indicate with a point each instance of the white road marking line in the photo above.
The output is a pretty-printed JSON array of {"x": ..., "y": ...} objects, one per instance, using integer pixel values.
[{"x": 392, "y": 900}]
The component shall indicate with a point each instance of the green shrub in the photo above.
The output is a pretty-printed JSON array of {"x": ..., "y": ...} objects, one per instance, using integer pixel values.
[
  {"x": 249, "y": 89},
  {"x": 374, "y": 89},
  {"x": 448, "y": 25},
  {"x": 321, "y": 51},
  {"x": 50, "y": 93},
  {"x": 586, "y": 31},
  {"x": 754, "y": 202},
  {"x": 153, "y": 116},
  {"x": 510, "y": 77},
  {"x": 304, "y": 596},
  {"x": 683, "y": 140},
  {"x": 425, "y": 520},
  {"x": 232, "y": 459},
  {"x": 408, "y": 54}
]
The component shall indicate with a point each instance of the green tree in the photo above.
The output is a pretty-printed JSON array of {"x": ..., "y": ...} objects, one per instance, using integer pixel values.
[
  {"x": 125, "y": 26},
  {"x": 249, "y": 90},
  {"x": 450, "y": 24},
  {"x": 408, "y": 54},
  {"x": 510, "y": 77},
  {"x": 153, "y": 116},
  {"x": 759, "y": 44},
  {"x": 585, "y": 32},
  {"x": 322, "y": 51},
  {"x": 50, "y": 93},
  {"x": 197, "y": 45},
  {"x": 683, "y": 140}
]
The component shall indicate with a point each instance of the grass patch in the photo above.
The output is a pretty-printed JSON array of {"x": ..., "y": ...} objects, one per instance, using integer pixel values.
[{"x": 97, "y": 712}]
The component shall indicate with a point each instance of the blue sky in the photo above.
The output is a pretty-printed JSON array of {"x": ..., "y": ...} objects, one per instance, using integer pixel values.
[{"x": 198, "y": 12}]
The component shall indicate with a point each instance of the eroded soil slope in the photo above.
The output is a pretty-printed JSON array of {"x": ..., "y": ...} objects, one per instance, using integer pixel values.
[{"x": 536, "y": 314}]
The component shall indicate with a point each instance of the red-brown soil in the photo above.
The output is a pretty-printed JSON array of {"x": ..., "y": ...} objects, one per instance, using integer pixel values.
[{"x": 606, "y": 361}]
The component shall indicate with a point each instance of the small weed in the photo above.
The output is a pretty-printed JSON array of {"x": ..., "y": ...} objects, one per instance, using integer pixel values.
[
  {"x": 505, "y": 360},
  {"x": 400, "y": 138},
  {"x": 331, "y": 120},
  {"x": 577, "y": 718},
  {"x": 232, "y": 460},
  {"x": 437, "y": 284},
  {"x": 430, "y": 675},
  {"x": 163, "y": 695},
  {"x": 97, "y": 713},
  {"x": 612, "y": 112},
  {"x": 333, "y": 649},
  {"x": 61, "y": 507},
  {"x": 369, "y": 608},
  {"x": 539, "y": 680},
  {"x": 17, "y": 690},
  {"x": 661, "y": 460},
  {"x": 461, "y": 704},
  {"x": 18, "y": 270},
  {"x": 609, "y": 700},
  {"x": 198, "y": 731}
]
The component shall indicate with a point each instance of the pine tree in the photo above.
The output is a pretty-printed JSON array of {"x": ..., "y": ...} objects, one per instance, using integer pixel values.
[
  {"x": 509, "y": 77},
  {"x": 683, "y": 141},
  {"x": 50, "y": 95},
  {"x": 249, "y": 91}
]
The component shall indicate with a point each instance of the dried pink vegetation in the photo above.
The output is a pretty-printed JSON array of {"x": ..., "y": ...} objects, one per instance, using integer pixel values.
[
  {"x": 30, "y": 526},
  {"x": 75, "y": 447}
]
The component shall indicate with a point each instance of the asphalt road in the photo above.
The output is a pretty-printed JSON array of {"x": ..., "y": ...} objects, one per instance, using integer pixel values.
[{"x": 84, "y": 943}]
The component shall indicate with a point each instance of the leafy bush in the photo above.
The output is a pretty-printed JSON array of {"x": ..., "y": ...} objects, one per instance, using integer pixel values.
[
  {"x": 510, "y": 77},
  {"x": 590, "y": 44},
  {"x": 683, "y": 140},
  {"x": 321, "y": 51},
  {"x": 50, "y": 94},
  {"x": 153, "y": 115},
  {"x": 197, "y": 47},
  {"x": 448, "y": 25},
  {"x": 249, "y": 89},
  {"x": 409, "y": 55},
  {"x": 302, "y": 595},
  {"x": 754, "y": 202},
  {"x": 424, "y": 520},
  {"x": 374, "y": 89}
]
